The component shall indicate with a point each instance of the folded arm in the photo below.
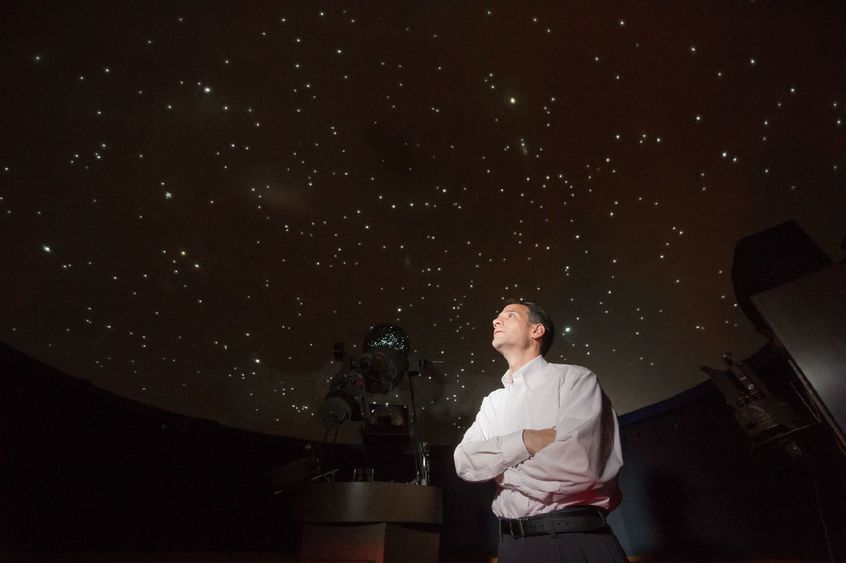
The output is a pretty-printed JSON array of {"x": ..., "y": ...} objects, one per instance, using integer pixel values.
[
  {"x": 585, "y": 453},
  {"x": 481, "y": 456}
]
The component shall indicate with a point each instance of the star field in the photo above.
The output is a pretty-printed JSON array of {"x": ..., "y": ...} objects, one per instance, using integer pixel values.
[{"x": 197, "y": 201}]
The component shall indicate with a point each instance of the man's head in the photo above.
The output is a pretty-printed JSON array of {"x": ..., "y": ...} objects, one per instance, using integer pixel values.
[{"x": 522, "y": 325}]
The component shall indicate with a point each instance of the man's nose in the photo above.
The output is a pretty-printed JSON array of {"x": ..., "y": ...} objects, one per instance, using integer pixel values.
[{"x": 497, "y": 321}]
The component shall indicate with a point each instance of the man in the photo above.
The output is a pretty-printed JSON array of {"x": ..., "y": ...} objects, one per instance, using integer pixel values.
[{"x": 550, "y": 440}]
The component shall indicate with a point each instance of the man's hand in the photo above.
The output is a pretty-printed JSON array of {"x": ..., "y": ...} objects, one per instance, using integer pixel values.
[{"x": 536, "y": 440}]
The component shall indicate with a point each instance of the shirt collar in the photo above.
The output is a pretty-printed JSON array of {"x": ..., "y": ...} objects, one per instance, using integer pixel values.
[{"x": 528, "y": 374}]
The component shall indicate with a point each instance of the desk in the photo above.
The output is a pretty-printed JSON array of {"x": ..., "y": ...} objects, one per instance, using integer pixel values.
[{"x": 369, "y": 522}]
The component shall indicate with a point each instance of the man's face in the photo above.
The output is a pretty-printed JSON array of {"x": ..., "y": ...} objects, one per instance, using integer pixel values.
[{"x": 512, "y": 329}]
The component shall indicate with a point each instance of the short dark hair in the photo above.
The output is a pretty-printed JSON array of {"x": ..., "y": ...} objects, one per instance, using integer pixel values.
[{"x": 538, "y": 316}]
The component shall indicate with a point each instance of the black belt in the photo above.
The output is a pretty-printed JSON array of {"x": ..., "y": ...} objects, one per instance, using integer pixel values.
[{"x": 573, "y": 519}]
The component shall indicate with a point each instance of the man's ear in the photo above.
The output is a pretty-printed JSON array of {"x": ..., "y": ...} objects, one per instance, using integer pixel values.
[{"x": 538, "y": 331}]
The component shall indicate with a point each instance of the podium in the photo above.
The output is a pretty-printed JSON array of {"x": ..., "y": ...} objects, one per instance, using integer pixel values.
[{"x": 369, "y": 522}]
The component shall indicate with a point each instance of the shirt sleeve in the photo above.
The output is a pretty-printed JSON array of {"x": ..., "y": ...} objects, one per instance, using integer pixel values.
[
  {"x": 586, "y": 451},
  {"x": 481, "y": 456}
]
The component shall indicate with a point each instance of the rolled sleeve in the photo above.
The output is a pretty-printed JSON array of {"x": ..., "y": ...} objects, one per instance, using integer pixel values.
[{"x": 486, "y": 459}]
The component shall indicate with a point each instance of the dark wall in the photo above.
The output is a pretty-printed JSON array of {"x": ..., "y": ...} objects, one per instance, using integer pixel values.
[
  {"x": 86, "y": 470},
  {"x": 692, "y": 487}
]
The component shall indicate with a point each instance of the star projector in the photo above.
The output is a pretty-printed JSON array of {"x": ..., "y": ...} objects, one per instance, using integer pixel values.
[
  {"x": 385, "y": 357},
  {"x": 376, "y": 372},
  {"x": 387, "y": 429}
]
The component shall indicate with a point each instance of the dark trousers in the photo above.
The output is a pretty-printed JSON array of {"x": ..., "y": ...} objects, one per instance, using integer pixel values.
[{"x": 576, "y": 547}]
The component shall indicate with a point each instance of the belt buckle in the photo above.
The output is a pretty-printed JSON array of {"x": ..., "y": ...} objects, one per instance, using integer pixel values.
[
  {"x": 520, "y": 530},
  {"x": 515, "y": 527}
]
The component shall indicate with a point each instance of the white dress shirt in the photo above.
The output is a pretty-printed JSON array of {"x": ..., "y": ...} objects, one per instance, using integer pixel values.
[{"x": 578, "y": 468}]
